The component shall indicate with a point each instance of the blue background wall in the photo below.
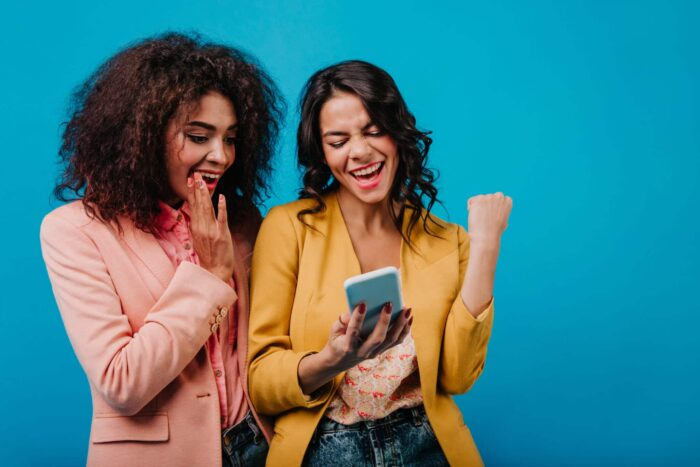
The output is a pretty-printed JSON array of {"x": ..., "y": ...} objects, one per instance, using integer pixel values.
[{"x": 585, "y": 112}]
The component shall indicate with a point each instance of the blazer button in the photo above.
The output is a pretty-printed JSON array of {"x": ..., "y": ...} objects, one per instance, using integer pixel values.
[
  {"x": 214, "y": 327},
  {"x": 223, "y": 312},
  {"x": 219, "y": 318}
]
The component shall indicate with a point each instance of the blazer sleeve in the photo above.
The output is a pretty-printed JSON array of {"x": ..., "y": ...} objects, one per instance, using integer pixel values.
[
  {"x": 127, "y": 368},
  {"x": 272, "y": 370},
  {"x": 466, "y": 338}
]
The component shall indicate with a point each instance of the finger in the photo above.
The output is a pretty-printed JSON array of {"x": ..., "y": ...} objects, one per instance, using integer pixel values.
[
  {"x": 406, "y": 330},
  {"x": 223, "y": 214},
  {"x": 190, "y": 191},
  {"x": 398, "y": 326},
  {"x": 338, "y": 328},
  {"x": 378, "y": 334},
  {"x": 204, "y": 200},
  {"x": 192, "y": 202},
  {"x": 356, "y": 319}
]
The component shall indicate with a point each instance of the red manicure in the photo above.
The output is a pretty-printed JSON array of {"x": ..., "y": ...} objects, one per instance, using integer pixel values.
[
  {"x": 407, "y": 312},
  {"x": 387, "y": 307},
  {"x": 363, "y": 308}
]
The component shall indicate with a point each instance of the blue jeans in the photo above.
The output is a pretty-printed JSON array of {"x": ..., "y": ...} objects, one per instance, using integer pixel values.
[
  {"x": 402, "y": 438},
  {"x": 243, "y": 444}
]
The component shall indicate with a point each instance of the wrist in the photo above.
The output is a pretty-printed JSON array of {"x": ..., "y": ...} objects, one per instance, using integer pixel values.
[
  {"x": 329, "y": 362},
  {"x": 485, "y": 243}
]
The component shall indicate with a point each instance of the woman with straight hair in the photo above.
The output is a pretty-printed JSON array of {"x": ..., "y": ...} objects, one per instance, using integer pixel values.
[
  {"x": 150, "y": 275},
  {"x": 384, "y": 399}
]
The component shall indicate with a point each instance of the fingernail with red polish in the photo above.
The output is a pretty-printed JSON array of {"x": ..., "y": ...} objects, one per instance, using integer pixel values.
[
  {"x": 363, "y": 308},
  {"x": 410, "y": 321},
  {"x": 388, "y": 307},
  {"x": 407, "y": 312}
]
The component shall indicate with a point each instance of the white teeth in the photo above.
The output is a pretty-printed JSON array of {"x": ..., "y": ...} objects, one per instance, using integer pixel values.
[
  {"x": 210, "y": 176},
  {"x": 368, "y": 170}
]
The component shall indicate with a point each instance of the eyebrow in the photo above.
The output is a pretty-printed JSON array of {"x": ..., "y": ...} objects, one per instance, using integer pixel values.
[
  {"x": 210, "y": 127},
  {"x": 343, "y": 133}
]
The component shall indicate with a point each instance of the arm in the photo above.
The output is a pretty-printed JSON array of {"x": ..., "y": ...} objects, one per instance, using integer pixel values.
[
  {"x": 272, "y": 369},
  {"x": 469, "y": 322},
  {"x": 127, "y": 368},
  {"x": 466, "y": 337},
  {"x": 279, "y": 377}
]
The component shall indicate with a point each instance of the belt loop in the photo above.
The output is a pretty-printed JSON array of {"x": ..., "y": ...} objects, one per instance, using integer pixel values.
[
  {"x": 416, "y": 416},
  {"x": 253, "y": 427}
]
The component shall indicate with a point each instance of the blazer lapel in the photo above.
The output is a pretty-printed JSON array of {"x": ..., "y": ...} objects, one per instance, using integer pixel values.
[
  {"x": 423, "y": 285},
  {"x": 148, "y": 250}
]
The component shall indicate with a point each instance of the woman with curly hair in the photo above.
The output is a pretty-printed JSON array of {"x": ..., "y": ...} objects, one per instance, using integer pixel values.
[
  {"x": 384, "y": 399},
  {"x": 150, "y": 275}
]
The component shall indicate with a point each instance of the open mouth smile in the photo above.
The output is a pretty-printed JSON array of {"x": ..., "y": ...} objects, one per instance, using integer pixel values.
[
  {"x": 368, "y": 176},
  {"x": 210, "y": 179}
]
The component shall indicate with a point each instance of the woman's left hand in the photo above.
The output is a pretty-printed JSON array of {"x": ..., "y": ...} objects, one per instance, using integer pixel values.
[{"x": 488, "y": 217}]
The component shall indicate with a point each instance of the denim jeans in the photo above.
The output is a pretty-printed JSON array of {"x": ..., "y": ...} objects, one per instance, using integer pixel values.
[
  {"x": 243, "y": 444},
  {"x": 402, "y": 438}
]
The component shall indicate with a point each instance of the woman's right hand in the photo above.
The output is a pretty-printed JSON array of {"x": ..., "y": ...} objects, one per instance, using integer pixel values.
[
  {"x": 211, "y": 237},
  {"x": 345, "y": 347}
]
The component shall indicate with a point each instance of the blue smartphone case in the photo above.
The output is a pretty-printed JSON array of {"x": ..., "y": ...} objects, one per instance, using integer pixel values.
[{"x": 375, "y": 288}]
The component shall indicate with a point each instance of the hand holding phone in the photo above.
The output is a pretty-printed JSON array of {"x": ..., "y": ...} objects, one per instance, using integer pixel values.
[{"x": 375, "y": 289}]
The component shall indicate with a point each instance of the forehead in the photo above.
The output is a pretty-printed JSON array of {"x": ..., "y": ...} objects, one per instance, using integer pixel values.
[
  {"x": 343, "y": 111},
  {"x": 213, "y": 108}
]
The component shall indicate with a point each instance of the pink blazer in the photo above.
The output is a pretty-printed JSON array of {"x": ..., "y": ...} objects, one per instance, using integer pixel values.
[{"x": 138, "y": 327}]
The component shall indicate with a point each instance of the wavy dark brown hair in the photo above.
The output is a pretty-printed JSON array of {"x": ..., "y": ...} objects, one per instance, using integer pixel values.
[
  {"x": 413, "y": 188},
  {"x": 113, "y": 145}
]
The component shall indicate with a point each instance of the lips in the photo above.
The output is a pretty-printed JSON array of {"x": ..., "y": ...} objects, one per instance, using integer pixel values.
[
  {"x": 210, "y": 179},
  {"x": 368, "y": 176}
]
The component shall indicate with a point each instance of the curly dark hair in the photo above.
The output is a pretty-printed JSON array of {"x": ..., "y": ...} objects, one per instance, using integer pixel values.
[
  {"x": 114, "y": 144},
  {"x": 413, "y": 188}
]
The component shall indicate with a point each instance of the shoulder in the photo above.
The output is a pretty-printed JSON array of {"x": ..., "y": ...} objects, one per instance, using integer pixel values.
[
  {"x": 437, "y": 230},
  {"x": 68, "y": 217},
  {"x": 74, "y": 217},
  {"x": 288, "y": 214}
]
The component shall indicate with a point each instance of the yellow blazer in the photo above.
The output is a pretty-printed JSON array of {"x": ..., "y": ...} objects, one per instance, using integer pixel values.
[{"x": 297, "y": 293}]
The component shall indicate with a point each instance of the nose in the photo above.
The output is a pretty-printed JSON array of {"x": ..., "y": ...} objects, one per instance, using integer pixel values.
[
  {"x": 359, "y": 147},
  {"x": 220, "y": 154}
]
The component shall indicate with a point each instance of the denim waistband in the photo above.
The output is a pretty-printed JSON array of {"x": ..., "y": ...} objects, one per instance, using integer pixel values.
[
  {"x": 239, "y": 434},
  {"x": 416, "y": 415}
]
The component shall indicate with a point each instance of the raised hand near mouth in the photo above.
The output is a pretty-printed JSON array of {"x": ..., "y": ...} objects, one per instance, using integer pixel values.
[{"x": 211, "y": 237}]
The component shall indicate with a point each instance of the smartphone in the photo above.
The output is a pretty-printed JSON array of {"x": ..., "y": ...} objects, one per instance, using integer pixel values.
[{"x": 375, "y": 288}]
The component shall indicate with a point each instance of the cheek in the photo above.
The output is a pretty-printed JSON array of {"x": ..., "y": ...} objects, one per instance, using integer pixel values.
[{"x": 335, "y": 161}]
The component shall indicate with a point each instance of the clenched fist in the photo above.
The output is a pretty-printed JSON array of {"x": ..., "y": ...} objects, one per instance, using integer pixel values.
[{"x": 488, "y": 217}]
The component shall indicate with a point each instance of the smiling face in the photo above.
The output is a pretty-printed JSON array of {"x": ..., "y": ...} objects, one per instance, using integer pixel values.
[
  {"x": 204, "y": 143},
  {"x": 362, "y": 158}
]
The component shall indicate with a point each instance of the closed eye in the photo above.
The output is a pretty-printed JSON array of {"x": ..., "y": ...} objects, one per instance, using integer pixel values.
[
  {"x": 230, "y": 140},
  {"x": 197, "y": 139},
  {"x": 337, "y": 144},
  {"x": 374, "y": 131}
]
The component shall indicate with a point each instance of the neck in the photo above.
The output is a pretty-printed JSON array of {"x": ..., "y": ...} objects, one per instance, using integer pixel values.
[{"x": 364, "y": 216}]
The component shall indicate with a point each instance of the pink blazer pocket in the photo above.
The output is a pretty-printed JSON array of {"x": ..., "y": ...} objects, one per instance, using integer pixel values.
[{"x": 114, "y": 428}]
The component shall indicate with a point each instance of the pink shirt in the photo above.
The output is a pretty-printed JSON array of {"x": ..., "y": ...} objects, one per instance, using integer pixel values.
[{"x": 173, "y": 234}]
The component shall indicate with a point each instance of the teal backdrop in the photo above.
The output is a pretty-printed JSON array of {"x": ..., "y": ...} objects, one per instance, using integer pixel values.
[{"x": 585, "y": 112}]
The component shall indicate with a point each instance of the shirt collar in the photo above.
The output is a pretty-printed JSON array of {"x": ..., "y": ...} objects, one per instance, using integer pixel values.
[{"x": 169, "y": 217}]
